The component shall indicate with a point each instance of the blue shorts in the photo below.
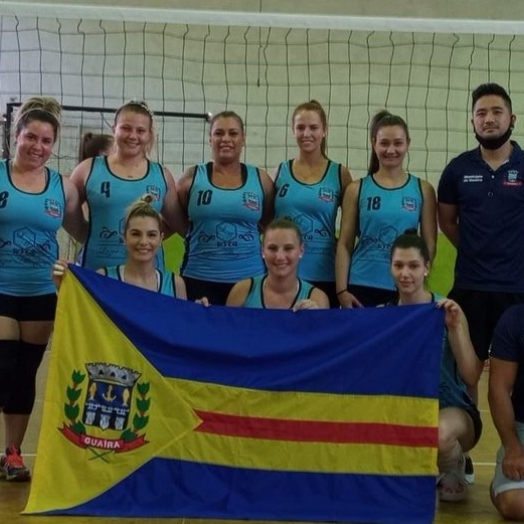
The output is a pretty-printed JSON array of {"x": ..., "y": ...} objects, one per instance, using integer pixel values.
[{"x": 501, "y": 483}]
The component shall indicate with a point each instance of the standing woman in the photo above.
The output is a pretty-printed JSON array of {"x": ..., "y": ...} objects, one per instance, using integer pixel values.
[
  {"x": 35, "y": 202},
  {"x": 377, "y": 209},
  {"x": 226, "y": 204},
  {"x": 309, "y": 190},
  {"x": 109, "y": 184},
  {"x": 280, "y": 288},
  {"x": 460, "y": 424}
]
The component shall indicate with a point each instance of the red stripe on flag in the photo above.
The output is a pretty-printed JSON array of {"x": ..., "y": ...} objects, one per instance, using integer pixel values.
[{"x": 312, "y": 431}]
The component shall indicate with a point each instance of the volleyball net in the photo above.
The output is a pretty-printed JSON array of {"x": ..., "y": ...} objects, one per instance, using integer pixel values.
[{"x": 262, "y": 72}]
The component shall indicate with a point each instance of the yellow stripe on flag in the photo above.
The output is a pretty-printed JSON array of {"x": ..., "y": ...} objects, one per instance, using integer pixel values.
[
  {"x": 409, "y": 411},
  {"x": 304, "y": 456}
]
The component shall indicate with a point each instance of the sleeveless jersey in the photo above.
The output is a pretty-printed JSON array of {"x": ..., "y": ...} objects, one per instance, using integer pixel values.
[
  {"x": 313, "y": 207},
  {"x": 223, "y": 242},
  {"x": 108, "y": 198},
  {"x": 452, "y": 389},
  {"x": 383, "y": 215},
  {"x": 255, "y": 297},
  {"x": 167, "y": 279},
  {"x": 28, "y": 226},
  {"x": 453, "y": 392}
]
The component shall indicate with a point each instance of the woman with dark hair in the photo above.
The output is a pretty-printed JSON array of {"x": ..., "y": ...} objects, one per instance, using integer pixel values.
[
  {"x": 460, "y": 424},
  {"x": 93, "y": 144},
  {"x": 226, "y": 204},
  {"x": 376, "y": 209}
]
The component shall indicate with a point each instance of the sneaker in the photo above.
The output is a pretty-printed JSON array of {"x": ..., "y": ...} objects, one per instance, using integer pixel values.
[
  {"x": 12, "y": 466},
  {"x": 469, "y": 472},
  {"x": 452, "y": 485}
]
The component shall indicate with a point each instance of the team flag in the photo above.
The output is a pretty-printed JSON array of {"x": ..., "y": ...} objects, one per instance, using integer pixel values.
[{"x": 157, "y": 407}]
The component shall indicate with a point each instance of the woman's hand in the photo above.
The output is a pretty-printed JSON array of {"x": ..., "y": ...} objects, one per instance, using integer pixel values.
[
  {"x": 307, "y": 303},
  {"x": 454, "y": 314},
  {"x": 59, "y": 269},
  {"x": 204, "y": 301},
  {"x": 348, "y": 300}
]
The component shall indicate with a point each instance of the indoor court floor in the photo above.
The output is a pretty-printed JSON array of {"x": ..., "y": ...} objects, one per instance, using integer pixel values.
[{"x": 476, "y": 510}]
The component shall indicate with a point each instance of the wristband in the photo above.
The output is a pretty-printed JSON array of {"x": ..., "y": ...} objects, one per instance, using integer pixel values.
[{"x": 340, "y": 292}]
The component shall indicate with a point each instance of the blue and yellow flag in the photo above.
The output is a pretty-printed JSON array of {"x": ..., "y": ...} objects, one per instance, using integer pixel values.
[{"x": 157, "y": 407}]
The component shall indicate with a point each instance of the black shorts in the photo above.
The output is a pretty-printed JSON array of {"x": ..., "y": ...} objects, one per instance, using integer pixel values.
[
  {"x": 372, "y": 296},
  {"x": 23, "y": 309},
  {"x": 216, "y": 292},
  {"x": 483, "y": 310},
  {"x": 477, "y": 423},
  {"x": 330, "y": 289}
]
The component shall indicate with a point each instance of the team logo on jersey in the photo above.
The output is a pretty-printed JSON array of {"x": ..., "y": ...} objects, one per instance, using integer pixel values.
[
  {"x": 409, "y": 204},
  {"x": 251, "y": 201},
  {"x": 512, "y": 178},
  {"x": 305, "y": 224},
  {"x": 53, "y": 208},
  {"x": 101, "y": 422},
  {"x": 154, "y": 191},
  {"x": 326, "y": 194},
  {"x": 226, "y": 234}
]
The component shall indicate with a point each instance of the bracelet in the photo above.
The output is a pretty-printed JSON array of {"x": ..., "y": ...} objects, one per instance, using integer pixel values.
[{"x": 340, "y": 292}]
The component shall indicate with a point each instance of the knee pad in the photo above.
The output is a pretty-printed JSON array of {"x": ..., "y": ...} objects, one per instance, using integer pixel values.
[
  {"x": 8, "y": 353},
  {"x": 23, "y": 388}
]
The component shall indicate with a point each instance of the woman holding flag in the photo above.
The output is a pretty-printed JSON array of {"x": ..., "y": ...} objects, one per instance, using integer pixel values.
[
  {"x": 460, "y": 425},
  {"x": 280, "y": 288},
  {"x": 142, "y": 238}
]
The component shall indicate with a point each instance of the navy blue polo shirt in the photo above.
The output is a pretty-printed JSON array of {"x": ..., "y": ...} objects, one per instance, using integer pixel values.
[
  {"x": 508, "y": 344},
  {"x": 490, "y": 254}
]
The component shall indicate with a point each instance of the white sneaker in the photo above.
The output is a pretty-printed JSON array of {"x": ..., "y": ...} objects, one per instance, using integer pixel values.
[{"x": 452, "y": 485}]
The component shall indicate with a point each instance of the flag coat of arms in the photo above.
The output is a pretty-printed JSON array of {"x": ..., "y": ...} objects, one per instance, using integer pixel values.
[{"x": 157, "y": 407}]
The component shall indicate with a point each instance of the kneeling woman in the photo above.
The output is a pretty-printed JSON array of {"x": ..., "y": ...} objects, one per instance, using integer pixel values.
[
  {"x": 460, "y": 425},
  {"x": 280, "y": 288},
  {"x": 142, "y": 238}
]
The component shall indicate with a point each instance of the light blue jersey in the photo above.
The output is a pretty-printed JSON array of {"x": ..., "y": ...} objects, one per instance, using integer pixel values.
[
  {"x": 108, "y": 198},
  {"x": 313, "y": 207},
  {"x": 223, "y": 242},
  {"x": 453, "y": 392},
  {"x": 28, "y": 226},
  {"x": 166, "y": 279},
  {"x": 383, "y": 215},
  {"x": 255, "y": 297}
]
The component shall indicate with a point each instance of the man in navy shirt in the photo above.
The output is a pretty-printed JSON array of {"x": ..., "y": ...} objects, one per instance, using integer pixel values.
[
  {"x": 481, "y": 212},
  {"x": 506, "y": 401}
]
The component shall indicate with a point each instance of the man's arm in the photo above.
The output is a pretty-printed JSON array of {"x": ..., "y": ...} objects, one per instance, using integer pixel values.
[{"x": 502, "y": 375}]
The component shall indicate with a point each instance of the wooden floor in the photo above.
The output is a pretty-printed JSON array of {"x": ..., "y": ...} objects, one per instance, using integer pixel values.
[{"x": 477, "y": 510}]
